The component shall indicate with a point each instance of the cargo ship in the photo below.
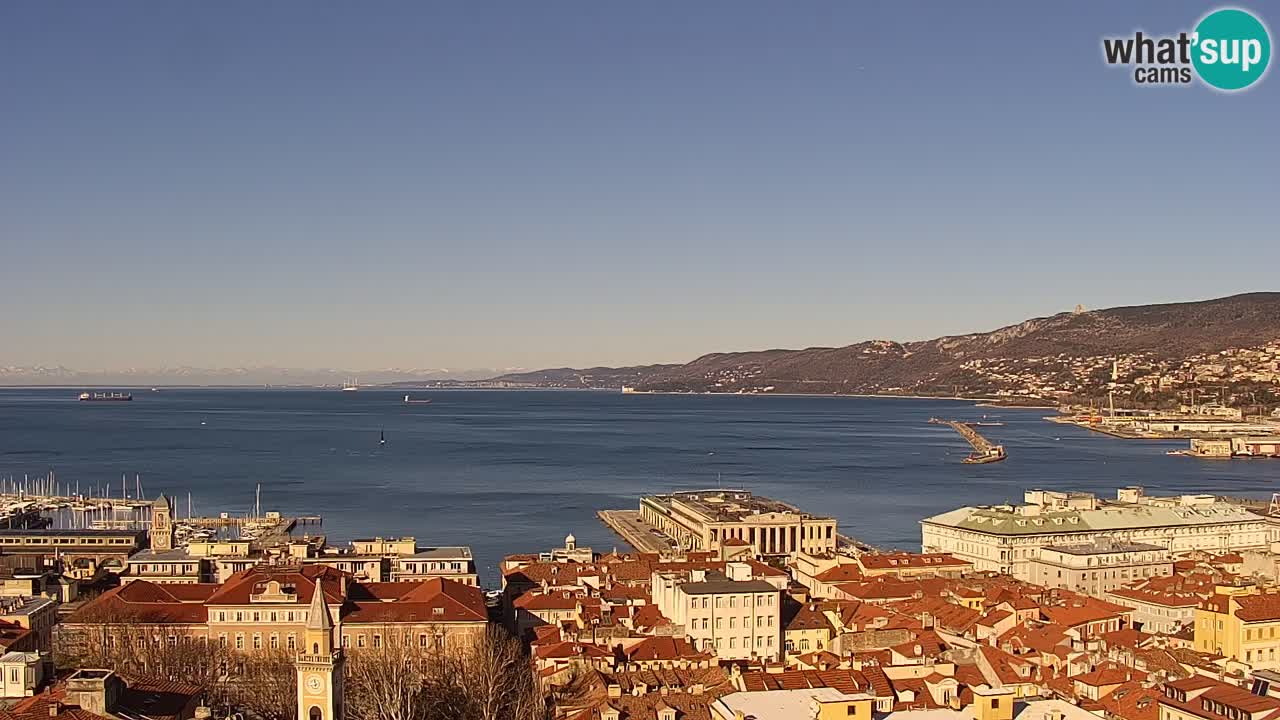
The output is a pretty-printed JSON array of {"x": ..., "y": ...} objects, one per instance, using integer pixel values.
[
  {"x": 105, "y": 397},
  {"x": 417, "y": 401}
]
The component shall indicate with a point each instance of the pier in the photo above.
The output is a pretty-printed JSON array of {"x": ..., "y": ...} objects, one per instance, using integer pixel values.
[
  {"x": 984, "y": 451},
  {"x": 637, "y": 533}
]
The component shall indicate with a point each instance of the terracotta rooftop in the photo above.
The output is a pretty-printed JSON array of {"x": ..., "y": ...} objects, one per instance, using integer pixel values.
[
  {"x": 663, "y": 648},
  {"x": 890, "y": 561},
  {"x": 1259, "y": 607}
]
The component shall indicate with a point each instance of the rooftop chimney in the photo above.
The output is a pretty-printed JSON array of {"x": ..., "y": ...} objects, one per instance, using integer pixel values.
[{"x": 95, "y": 690}]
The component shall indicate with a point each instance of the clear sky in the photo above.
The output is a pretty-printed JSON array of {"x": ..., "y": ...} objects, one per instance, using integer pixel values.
[{"x": 527, "y": 184}]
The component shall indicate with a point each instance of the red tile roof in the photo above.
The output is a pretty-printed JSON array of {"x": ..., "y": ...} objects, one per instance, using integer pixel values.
[
  {"x": 809, "y": 617},
  {"x": 1259, "y": 607},
  {"x": 658, "y": 648},
  {"x": 1132, "y": 701},
  {"x": 142, "y": 601},
  {"x": 1079, "y": 612},
  {"x": 840, "y": 573},
  {"x": 1109, "y": 675},
  {"x": 648, "y": 616},
  {"x": 1221, "y": 695},
  {"x": 872, "y": 680},
  {"x": 569, "y": 649},
  {"x": 240, "y": 587},
  {"x": 890, "y": 561}
]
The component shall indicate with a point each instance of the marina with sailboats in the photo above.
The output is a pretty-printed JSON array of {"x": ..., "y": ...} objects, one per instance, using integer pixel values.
[{"x": 36, "y": 503}]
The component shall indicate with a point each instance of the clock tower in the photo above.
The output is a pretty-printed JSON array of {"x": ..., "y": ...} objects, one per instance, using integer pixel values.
[
  {"x": 161, "y": 532},
  {"x": 319, "y": 664}
]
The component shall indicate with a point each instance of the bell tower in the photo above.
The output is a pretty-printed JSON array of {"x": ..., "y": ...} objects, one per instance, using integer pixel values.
[
  {"x": 319, "y": 664},
  {"x": 161, "y": 533}
]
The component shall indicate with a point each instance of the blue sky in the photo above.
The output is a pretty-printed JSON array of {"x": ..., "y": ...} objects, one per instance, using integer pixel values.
[{"x": 574, "y": 183}]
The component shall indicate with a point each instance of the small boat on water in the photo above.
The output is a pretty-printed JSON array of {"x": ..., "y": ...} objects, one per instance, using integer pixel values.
[
  {"x": 105, "y": 397},
  {"x": 409, "y": 400},
  {"x": 989, "y": 424},
  {"x": 382, "y": 437}
]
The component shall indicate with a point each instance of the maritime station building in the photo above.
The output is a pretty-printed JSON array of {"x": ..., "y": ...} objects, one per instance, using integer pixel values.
[
  {"x": 706, "y": 519},
  {"x": 1009, "y": 538}
]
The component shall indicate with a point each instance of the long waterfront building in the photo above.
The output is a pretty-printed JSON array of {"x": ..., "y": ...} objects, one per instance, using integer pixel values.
[
  {"x": 705, "y": 519},
  {"x": 1008, "y": 538}
]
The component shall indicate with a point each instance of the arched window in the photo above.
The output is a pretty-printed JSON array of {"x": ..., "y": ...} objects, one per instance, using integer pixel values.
[
  {"x": 315, "y": 650},
  {"x": 315, "y": 714}
]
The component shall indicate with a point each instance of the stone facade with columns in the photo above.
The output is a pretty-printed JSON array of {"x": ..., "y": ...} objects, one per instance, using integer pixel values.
[{"x": 705, "y": 520}]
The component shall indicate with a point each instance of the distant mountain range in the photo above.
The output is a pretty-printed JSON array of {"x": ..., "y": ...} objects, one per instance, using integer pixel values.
[
  {"x": 10, "y": 376},
  {"x": 1045, "y": 358},
  {"x": 1049, "y": 346}
]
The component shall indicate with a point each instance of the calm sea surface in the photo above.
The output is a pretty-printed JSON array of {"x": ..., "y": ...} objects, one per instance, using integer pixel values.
[{"x": 511, "y": 471}]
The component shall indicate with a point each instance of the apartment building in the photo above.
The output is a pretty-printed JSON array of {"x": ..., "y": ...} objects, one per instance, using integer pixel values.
[
  {"x": 1097, "y": 567},
  {"x": 1156, "y": 611},
  {"x": 267, "y": 607},
  {"x": 727, "y": 613},
  {"x": 402, "y": 560},
  {"x": 168, "y": 566},
  {"x": 1241, "y": 622},
  {"x": 454, "y": 563},
  {"x": 27, "y": 623},
  {"x": 706, "y": 519},
  {"x": 1008, "y": 538}
]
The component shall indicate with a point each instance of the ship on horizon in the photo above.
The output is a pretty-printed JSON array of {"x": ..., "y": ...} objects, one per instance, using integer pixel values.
[
  {"x": 105, "y": 397},
  {"x": 351, "y": 385}
]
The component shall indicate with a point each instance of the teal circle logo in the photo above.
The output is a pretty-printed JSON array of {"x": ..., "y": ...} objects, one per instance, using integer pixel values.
[{"x": 1231, "y": 49}]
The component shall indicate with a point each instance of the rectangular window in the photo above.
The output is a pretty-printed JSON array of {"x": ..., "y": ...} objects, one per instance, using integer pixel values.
[{"x": 292, "y": 642}]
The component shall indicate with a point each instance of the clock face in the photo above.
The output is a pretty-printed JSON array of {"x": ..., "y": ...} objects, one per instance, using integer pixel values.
[{"x": 315, "y": 684}]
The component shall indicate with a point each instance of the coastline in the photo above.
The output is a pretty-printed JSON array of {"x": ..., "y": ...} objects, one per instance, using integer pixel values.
[{"x": 979, "y": 401}]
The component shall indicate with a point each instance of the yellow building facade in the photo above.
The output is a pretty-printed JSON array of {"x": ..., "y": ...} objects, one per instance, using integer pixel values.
[{"x": 1242, "y": 623}]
